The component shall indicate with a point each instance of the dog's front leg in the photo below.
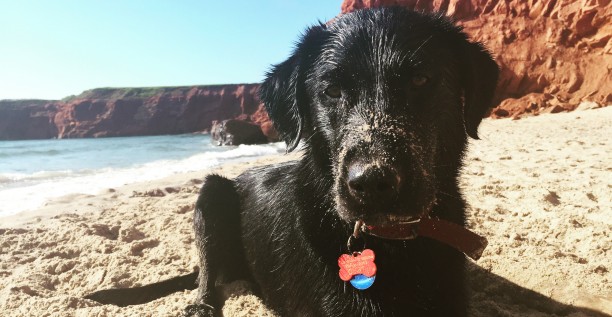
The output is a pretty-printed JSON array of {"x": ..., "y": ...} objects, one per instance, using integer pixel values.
[{"x": 217, "y": 235}]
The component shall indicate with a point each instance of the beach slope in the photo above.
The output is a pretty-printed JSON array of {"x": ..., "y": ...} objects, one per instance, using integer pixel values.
[{"x": 538, "y": 188}]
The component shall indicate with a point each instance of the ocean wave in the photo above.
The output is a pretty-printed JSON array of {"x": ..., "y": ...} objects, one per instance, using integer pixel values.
[
  {"x": 30, "y": 191},
  {"x": 209, "y": 159},
  {"x": 28, "y": 152},
  {"x": 37, "y": 176}
]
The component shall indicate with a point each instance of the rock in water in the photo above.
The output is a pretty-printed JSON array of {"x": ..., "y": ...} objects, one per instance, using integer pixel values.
[{"x": 236, "y": 132}]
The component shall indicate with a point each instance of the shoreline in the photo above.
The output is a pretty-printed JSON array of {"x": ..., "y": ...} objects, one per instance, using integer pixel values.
[
  {"x": 70, "y": 171},
  {"x": 538, "y": 188},
  {"x": 87, "y": 203}
]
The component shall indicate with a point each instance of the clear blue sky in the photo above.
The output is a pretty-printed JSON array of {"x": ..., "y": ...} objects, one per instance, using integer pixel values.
[{"x": 53, "y": 49}]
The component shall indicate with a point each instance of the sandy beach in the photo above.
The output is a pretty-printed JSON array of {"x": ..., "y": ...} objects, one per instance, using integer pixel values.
[{"x": 539, "y": 188}]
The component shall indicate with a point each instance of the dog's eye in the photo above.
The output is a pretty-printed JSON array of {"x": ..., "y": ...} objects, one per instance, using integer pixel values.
[
  {"x": 419, "y": 80},
  {"x": 333, "y": 91}
]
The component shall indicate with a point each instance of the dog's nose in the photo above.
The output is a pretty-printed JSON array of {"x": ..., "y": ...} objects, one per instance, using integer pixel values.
[{"x": 372, "y": 183}]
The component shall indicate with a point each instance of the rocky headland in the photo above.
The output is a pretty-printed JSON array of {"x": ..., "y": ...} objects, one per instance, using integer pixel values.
[{"x": 110, "y": 112}]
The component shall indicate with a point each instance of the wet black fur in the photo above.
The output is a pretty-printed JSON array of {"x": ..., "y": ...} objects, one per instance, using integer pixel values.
[{"x": 282, "y": 227}]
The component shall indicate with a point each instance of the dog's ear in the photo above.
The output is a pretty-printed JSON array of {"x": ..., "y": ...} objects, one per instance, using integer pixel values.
[
  {"x": 283, "y": 90},
  {"x": 479, "y": 81}
]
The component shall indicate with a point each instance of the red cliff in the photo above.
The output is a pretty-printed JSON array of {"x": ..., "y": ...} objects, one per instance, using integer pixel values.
[
  {"x": 27, "y": 119},
  {"x": 107, "y": 112},
  {"x": 553, "y": 54}
]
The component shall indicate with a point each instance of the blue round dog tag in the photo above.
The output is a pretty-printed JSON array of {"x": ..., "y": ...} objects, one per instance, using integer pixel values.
[{"x": 362, "y": 282}]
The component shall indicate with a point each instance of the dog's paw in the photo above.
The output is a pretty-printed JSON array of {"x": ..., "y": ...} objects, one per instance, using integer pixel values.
[{"x": 199, "y": 310}]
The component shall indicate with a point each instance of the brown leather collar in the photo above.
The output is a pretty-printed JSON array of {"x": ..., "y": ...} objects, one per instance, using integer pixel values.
[{"x": 440, "y": 230}]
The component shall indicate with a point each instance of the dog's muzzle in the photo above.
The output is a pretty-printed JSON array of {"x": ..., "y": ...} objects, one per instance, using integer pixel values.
[{"x": 373, "y": 185}]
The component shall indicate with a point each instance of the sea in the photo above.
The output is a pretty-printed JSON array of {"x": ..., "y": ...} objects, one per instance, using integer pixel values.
[{"x": 35, "y": 171}]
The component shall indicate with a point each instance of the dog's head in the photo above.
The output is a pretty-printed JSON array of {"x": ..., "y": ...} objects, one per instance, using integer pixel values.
[{"x": 389, "y": 96}]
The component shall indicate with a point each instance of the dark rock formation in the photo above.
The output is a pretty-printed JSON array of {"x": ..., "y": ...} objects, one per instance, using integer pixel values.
[{"x": 236, "y": 132}]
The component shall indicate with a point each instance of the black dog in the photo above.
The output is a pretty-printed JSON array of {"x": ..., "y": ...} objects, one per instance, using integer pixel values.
[{"x": 384, "y": 101}]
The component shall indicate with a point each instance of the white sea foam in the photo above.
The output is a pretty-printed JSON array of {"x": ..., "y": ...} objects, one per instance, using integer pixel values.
[
  {"x": 11, "y": 179},
  {"x": 30, "y": 191}
]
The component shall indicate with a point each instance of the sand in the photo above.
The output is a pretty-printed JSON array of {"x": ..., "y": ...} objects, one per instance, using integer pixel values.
[{"x": 539, "y": 189}]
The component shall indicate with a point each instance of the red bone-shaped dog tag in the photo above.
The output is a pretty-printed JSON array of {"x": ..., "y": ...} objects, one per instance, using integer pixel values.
[{"x": 357, "y": 263}]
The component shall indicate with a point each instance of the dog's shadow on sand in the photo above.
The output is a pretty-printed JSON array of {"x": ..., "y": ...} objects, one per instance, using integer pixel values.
[
  {"x": 490, "y": 296},
  {"x": 493, "y": 295}
]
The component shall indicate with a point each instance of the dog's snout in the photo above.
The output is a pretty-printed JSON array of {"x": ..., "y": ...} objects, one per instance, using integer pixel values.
[{"x": 373, "y": 183}]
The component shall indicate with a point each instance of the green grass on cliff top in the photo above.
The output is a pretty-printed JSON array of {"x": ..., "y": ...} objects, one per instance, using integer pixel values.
[{"x": 109, "y": 93}]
